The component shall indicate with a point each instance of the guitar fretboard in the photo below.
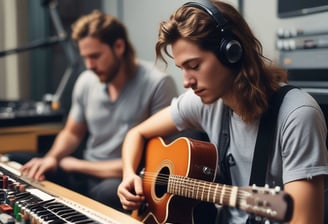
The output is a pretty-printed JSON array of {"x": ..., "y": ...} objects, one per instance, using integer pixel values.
[
  {"x": 271, "y": 203},
  {"x": 204, "y": 191}
]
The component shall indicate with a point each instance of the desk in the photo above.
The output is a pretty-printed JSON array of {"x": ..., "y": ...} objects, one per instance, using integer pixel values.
[
  {"x": 26, "y": 138},
  {"x": 28, "y": 126}
]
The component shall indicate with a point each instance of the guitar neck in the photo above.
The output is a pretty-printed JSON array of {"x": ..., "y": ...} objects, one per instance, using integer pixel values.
[
  {"x": 271, "y": 203},
  {"x": 204, "y": 191}
]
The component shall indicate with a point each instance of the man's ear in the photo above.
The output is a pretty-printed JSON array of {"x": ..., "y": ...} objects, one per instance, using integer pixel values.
[{"x": 119, "y": 47}]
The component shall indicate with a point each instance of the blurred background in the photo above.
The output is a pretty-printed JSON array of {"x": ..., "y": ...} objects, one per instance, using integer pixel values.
[
  {"x": 31, "y": 74},
  {"x": 39, "y": 63}
]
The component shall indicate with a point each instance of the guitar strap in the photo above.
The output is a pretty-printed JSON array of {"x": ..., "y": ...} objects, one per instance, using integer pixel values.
[
  {"x": 224, "y": 176},
  {"x": 265, "y": 143},
  {"x": 266, "y": 135},
  {"x": 265, "y": 138}
]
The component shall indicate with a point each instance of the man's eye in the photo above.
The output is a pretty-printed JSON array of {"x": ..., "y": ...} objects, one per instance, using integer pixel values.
[
  {"x": 94, "y": 56},
  {"x": 195, "y": 67}
]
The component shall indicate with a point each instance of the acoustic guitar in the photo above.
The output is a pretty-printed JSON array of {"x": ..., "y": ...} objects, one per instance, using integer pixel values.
[{"x": 179, "y": 175}]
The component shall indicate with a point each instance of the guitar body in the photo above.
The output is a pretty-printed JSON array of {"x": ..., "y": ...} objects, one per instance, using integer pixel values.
[{"x": 183, "y": 157}]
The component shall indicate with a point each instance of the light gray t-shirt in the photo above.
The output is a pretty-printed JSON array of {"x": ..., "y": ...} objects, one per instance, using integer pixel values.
[
  {"x": 300, "y": 148},
  {"x": 108, "y": 122}
]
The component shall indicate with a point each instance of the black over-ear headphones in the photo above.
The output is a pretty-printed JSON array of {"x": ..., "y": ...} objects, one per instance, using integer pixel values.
[{"x": 229, "y": 49}]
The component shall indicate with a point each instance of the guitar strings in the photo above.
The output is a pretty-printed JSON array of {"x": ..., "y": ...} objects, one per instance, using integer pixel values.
[
  {"x": 197, "y": 189},
  {"x": 221, "y": 194}
]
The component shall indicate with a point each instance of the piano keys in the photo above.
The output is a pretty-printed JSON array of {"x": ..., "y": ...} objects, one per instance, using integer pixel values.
[{"x": 29, "y": 201}]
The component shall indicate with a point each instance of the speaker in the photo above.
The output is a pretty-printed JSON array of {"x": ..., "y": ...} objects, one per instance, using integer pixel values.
[{"x": 229, "y": 50}]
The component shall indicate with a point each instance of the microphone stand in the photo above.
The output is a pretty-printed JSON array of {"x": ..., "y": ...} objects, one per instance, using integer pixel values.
[
  {"x": 33, "y": 45},
  {"x": 69, "y": 51}
]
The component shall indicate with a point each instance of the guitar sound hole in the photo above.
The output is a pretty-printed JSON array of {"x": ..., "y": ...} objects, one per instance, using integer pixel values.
[{"x": 161, "y": 182}]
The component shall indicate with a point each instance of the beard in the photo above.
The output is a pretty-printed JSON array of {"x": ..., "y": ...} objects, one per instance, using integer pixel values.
[{"x": 112, "y": 72}]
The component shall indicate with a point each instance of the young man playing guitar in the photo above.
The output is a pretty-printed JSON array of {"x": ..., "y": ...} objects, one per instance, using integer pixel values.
[{"x": 223, "y": 66}]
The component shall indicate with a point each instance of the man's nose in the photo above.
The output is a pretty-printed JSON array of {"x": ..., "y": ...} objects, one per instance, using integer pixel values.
[
  {"x": 90, "y": 64},
  {"x": 188, "y": 80}
]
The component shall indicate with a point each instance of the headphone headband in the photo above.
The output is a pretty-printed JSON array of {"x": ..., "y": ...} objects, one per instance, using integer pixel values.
[
  {"x": 208, "y": 7},
  {"x": 229, "y": 50}
]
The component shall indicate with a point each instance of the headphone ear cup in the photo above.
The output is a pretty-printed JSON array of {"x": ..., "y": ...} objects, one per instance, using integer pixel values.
[{"x": 229, "y": 51}]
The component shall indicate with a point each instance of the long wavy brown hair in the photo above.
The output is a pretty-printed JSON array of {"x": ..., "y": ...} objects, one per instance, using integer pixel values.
[
  {"x": 107, "y": 29},
  {"x": 256, "y": 77}
]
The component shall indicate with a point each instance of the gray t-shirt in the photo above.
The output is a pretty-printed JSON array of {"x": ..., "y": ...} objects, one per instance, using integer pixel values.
[
  {"x": 108, "y": 122},
  {"x": 300, "y": 148}
]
